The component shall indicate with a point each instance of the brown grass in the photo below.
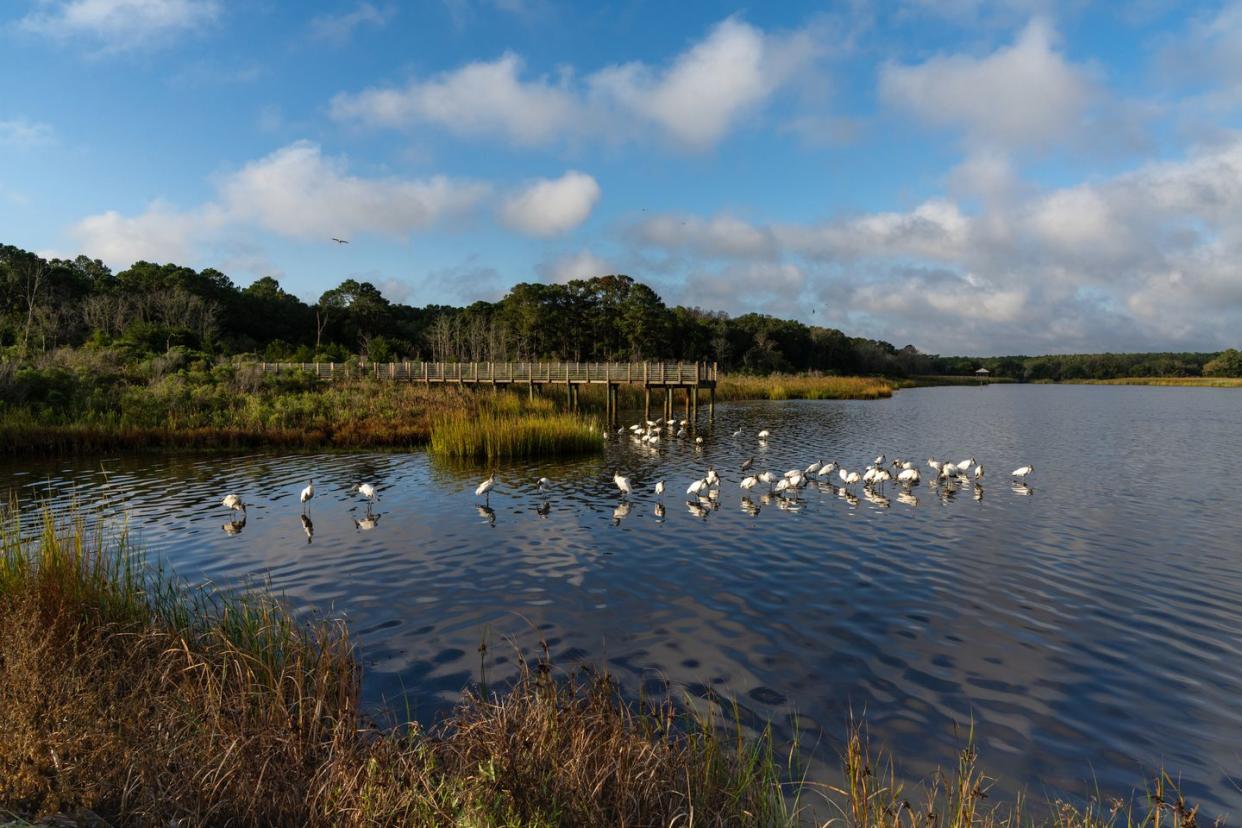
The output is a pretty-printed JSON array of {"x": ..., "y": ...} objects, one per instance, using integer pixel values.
[
  {"x": 1181, "y": 382},
  {"x": 802, "y": 387},
  {"x": 127, "y": 699}
]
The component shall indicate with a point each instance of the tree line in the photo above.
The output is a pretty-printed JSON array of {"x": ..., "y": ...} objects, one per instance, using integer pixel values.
[{"x": 153, "y": 308}]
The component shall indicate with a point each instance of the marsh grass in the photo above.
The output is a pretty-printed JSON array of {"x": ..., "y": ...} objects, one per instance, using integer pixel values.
[
  {"x": 802, "y": 387},
  {"x": 128, "y": 698},
  {"x": 1184, "y": 382},
  {"x": 507, "y": 426}
]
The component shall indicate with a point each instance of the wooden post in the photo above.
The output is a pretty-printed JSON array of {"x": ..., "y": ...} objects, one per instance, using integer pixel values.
[
  {"x": 646, "y": 399},
  {"x": 711, "y": 403}
]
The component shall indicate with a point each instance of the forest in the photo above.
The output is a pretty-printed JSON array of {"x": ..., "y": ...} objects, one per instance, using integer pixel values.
[{"x": 151, "y": 309}]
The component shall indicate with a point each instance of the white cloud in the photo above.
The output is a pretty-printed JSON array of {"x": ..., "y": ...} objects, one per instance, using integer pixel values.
[
  {"x": 477, "y": 99},
  {"x": 120, "y": 24},
  {"x": 695, "y": 101},
  {"x": 549, "y": 207},
  {"x": 1144, "y": 260},
  {"x": 24, "y": 133},
  {"x": 581, "y": 264},
  {"x": 338, "y": 28},
  {"x": 1025, "y": 95},
  {"x": 298, "y": 192},
  {"x": 295, "y": 192}
]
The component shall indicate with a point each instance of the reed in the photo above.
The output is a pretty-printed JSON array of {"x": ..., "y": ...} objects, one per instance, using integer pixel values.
[
  {"x": 494, "y": 436},
  {"x": 802, "y": 387}
]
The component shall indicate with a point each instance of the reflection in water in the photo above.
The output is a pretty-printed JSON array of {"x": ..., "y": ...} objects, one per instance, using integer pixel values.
[
  {"x": 1033, "y": 617},
  {"x": 487, "y": 513},
  {"x": 367, "y": 523},
  {"x": 234, "y": 527},
  {"x": 621, "y": 512},
  {"x": 979, "y": 492},
  {"x": 1022, "y": 489},
  {"x": 308, "y": 527}
]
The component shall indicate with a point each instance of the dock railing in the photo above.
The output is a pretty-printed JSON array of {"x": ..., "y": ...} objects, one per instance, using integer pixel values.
[{"x": 501, "y": 373}]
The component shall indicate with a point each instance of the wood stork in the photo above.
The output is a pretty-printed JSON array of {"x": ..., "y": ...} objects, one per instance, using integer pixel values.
[
  {"x": 659, "y": 488},
  {"x": 484, "y": 489},
  {"x": 711, "y": 477},
  {"x": 1022, "y": 471},
  {"x": 935, "y": 464},
  {"x": 965, "y": 464},
  {"x": 696, "y": 487},
  {"x": 850, "y": 478},
  {"x": 698, "y": 441},
  {"x": 623, "y": 483},
  {"x": 369, "y": 491},
  {"x": 307, "y": 493},
  {"x": 233, "y": 503},
  {"x": 814, "y": 468},
  {"x": 908, "y": 477},
  {"x": 544, "y": 484},
  {"x": 749, "y": 483},
  {"x": 737, "y": 433},
  {"x": 979, "y": 472},
  {"x": 765, "y": 434}
]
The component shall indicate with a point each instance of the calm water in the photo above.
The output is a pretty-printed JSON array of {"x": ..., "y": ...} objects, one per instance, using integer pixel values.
[{"x": 1091, "y": 627}]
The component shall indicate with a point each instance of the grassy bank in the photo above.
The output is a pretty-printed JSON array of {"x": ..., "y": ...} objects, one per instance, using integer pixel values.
[
  {"x": 1182, "y": 382},
  {"x": 128, "y": 698}
]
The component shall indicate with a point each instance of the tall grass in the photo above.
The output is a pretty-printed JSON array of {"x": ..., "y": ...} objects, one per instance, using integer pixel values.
[
  {"x": 1187, "y": 382},
  {"x": 802, "y": 387},
  {"x": 493, "y": 436}
]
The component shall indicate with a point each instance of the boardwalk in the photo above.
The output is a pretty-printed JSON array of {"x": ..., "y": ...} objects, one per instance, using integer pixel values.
[{"x": 665, "y": 377}]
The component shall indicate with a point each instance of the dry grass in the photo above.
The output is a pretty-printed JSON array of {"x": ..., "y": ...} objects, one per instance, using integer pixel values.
[
  {"x": 802, "y": 387},
  {"x": 126, "y": 699}
]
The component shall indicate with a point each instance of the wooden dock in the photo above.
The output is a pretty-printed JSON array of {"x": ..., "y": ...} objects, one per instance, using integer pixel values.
[{"x": 665, "y": 377}]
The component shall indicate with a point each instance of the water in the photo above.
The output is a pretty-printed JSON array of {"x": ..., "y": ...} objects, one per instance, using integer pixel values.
[{"x": 1090, "y": 626}]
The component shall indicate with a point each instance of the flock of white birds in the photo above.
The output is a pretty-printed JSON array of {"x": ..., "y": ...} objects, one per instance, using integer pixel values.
[{"x": 881, "y": 471}]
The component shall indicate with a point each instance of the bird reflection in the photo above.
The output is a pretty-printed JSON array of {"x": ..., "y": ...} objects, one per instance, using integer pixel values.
[
  {"x": 978, "y": 492},
  {"x": 1017, "y": 488},
  {"x": 750, "y": 507},
  {"x": 659, "y": 512},
  {"x": 876, "y": 499},
  {"x": 908, "y": 499},
  {"x": 308, "y": 527},
  {"x": 367, "y": 523},
  {"x": 696, "y": 510},
  {"x": 849, "y": 496},
  {"x": 487, "y": 513},
  {"x": 234, "y": 527},
  {"x": 621, "y": 512},
  {"x": 543, "y": 509}
]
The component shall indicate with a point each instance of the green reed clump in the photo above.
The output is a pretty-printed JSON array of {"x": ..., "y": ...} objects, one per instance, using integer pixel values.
[
  {"x": 493, "y": 436},
  {"x": 802, "y": 387}
]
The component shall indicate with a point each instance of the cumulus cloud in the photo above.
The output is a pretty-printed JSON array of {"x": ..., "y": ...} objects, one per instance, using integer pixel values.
[
  {"x": 703, "y": 94},
  {"x": 581, "y": 264},
  {"x": 549, "y": 207},
  {"x": 1024, "y": 95},
  {"x": 119, "y": 24},
  {"x": 338, "y": 28},
  {"x": 296, "y": 192},
  {"x": 481, "y": 98},
  {"x": 1144, "y": 260}
]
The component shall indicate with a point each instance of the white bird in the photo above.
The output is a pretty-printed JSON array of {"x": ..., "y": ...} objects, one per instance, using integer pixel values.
[
  {"x": 308, "y": 492},
  {"x": 683, "y": 423},
  {"x": 782, "y": 485},
  {"x": 851, "y": 478},
  {"x": 681, "y": 432},
  {"x": 698, "y": 441},
  {"x": 484, "y": 488},
  {"x": 843, "y": 474},
  {"x": 737, "y": 433},
  {"x": 1022, "y": 471},
  {"x": 696, "y": 487},
  {"x": 908, "y": 476},
  {"x": 659, "y": 488},
  {"x": 879, "y": 460},
  {"x": 828, "y": 468},
  {"x": 233, "y": 502},
  {"x": 749, "y": 483},
  {"x": 881, "y": 477},
  {"x": 369, "y": 492},
  {"x": 814, "y": 467},
  {"x": 979, "y": 472},
  {"x": 965, "y": 464},
  {"x": 623, "y": 483},
  {"x": 544, "y": 484},
  {"x": 765, "y": 434},
  {"x": 935, "y": 464},
  {"x": 767, "y": 477},
  {"x": 711, "y": 477}
]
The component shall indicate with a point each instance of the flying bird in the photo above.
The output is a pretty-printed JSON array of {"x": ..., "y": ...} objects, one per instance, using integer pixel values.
[{"x": 340, "y": 241}]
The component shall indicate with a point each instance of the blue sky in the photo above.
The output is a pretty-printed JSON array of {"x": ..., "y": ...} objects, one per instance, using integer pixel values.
[{"x": 966, "y": 176}]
